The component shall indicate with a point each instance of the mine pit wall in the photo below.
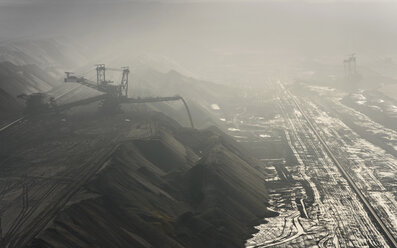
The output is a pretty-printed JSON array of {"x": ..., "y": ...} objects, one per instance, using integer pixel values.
[{"x": 137, "y": 200}]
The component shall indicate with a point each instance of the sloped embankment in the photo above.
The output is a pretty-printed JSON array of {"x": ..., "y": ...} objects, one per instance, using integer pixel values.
[
  {"x": 181, "y": 188},
  {"x": 16, "y": 80}
]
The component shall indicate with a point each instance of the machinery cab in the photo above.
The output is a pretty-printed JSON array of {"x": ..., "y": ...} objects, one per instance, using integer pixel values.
[
  {"x": 72, "y": 79},
  {"x": 38, "y": 103},
  {"x": 110, "y": 88}
]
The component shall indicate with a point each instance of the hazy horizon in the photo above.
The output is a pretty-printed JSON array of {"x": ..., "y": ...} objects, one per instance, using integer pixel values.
[{"x": 216, "y": 40}]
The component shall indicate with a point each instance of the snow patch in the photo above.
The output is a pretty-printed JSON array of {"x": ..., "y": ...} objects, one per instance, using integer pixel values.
[
  {"x": 232, "y": 129},
  {"x": 215, "y": 106}
]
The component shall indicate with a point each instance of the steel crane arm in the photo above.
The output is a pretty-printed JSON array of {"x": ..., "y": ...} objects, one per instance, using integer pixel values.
[
  {"x": 80, "y": 102},
  {"x": 82, "y": 80},
  {"x": 90, "y": 84},
  {"x": 152, "y": 99},
  {"x": 117, "y": 69}
]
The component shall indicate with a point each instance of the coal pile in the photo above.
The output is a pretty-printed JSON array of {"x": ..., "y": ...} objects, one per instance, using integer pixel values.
[{"x": 178, "y": 188}]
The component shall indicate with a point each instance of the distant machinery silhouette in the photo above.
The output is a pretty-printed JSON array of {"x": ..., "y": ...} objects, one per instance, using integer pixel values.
[
  {"x": 103, "y": 85},
  {"x": 350, "y": 67},
  {"x": 115, "y": 94}
]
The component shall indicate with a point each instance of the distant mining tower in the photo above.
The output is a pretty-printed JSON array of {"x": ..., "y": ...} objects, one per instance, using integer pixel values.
[
  {"x": 117, "y": 90},
  {"x": 350, "y": 68}
]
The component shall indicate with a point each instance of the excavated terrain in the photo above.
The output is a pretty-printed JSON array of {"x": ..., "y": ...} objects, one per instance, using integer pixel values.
[{"x": 176, "y": 187}]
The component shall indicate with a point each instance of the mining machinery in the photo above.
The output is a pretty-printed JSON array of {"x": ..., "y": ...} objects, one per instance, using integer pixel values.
[
  {"x": 350, "y": 66},
  {"x": 352, "y": 76},
  {"x": 38, "y": 102},
  {"x": 114, "y": 94},
  {"x": 106, "y": 86}
]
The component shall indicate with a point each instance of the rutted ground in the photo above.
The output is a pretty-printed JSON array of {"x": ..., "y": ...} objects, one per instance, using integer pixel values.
[
  {"x": 163, "y": 185},
  {"x": 336, "y": 217},
  {"x": 373, "y": 168}
]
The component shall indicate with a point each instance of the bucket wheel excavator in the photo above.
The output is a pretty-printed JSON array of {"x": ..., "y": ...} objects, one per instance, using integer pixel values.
[{"x": 114, "y": 93}]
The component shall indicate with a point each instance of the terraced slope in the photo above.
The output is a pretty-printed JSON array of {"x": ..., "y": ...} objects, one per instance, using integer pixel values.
[{"x": 178, "y": 188}]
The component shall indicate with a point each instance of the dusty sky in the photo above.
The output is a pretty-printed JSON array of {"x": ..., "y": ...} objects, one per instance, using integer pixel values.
[
  {"x": 213, "y": 38},
  {"x": 19, "y": 2}
]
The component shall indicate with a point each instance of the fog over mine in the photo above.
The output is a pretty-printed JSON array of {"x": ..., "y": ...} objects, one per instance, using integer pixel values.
[{"x": 198, "y": 123}]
